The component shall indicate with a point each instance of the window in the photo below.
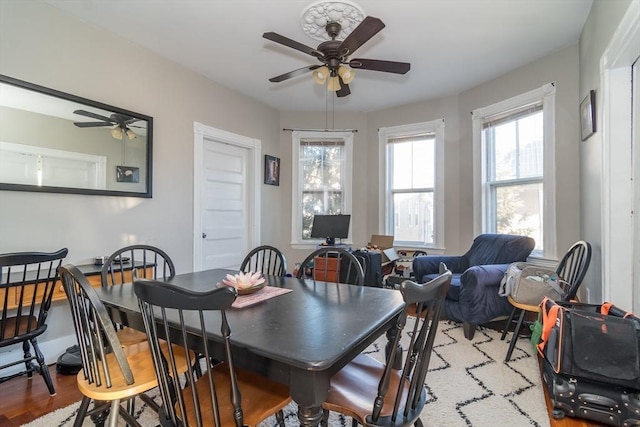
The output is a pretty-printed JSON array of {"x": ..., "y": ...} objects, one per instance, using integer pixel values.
[
  {"x": 411, "y": 209},
  {"x": 516, "y": 167},
  {"x": 322, "y": 165}
]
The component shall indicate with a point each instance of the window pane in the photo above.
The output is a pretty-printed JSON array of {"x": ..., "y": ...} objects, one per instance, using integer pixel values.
[
  {"x": 517, "y": 148},
  {"x": 413, "y": 164},
  {"x": 413, "y": 213},
  {"x": 322, "y": 184},
  {"x": 518, "y": 210}
]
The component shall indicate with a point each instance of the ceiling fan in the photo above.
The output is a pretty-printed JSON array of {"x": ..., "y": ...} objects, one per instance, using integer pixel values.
[
  {"x": 122, "y": 123},
  {"x": 334, "y": 56}
]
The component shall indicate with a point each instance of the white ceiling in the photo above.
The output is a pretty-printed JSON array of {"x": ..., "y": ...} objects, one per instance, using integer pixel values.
[{"x": 452, "y": 45}]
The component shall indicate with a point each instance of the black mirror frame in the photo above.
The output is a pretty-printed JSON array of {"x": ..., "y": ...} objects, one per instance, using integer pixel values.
[{"x": 70, "y": 190}]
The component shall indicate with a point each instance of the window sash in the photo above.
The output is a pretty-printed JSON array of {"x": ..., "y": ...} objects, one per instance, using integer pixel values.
[
  {"x": 390, "y": 220},
  {"x": 325, "y": 194},
  {"x": 541, "y": 99}
]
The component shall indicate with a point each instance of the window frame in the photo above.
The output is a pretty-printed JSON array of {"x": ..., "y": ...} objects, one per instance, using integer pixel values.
[
  {"x": 385, "y": 208},
  {"x": 481, "y": 194},
  {"x": 297, "y": 138}
]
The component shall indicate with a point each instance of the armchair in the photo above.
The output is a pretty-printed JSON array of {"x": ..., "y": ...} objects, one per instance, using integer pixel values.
[{"x": 472, "y": 298}]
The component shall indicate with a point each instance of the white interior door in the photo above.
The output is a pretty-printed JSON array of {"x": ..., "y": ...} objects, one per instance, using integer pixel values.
[
  {"x": 226, "y": 223},
  {"x": 636, "y": 182}
]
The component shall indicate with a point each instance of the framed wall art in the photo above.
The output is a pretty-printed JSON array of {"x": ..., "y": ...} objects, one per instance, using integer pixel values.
[
  {"x": 588, "y": 115},
  {"x": 271, "y": 170}
]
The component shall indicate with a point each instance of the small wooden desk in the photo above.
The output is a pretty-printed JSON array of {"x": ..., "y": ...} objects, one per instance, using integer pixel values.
[{"x": 299, "y": 339}]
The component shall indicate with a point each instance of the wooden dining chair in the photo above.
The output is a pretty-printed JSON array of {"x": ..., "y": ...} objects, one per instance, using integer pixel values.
[
  {"x": 266, "y": 260},
  {"x": 135, "y": 261},
  {"x": 110, "y": 372},
  {"x": 571, "y": 271},
  {"x": 375, "y": 393},
  {"x": 27, "y": 283},
  {"x": 223, "y": 395},
  {"x": 331, "y": 264}
]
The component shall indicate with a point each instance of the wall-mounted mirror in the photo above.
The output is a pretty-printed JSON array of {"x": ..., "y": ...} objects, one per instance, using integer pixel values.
[{"x": 51, "y": 141}]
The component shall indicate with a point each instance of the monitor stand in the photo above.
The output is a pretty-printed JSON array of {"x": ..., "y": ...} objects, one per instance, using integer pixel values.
[{"x": 331, "y": 241}]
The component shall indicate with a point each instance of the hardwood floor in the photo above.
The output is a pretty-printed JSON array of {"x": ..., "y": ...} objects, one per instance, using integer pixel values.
[{"x": 24, "y": 400}]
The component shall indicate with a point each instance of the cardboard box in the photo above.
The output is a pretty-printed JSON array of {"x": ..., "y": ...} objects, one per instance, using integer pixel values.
[{"x": 382, "y": 242}]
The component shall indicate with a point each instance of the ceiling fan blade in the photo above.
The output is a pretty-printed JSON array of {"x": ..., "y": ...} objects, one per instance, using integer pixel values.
[
  {"x": 368, "y": 28},
  {"x": 93, "y": 115},
  {"x": 274, "y": 37},
  {"x": 293, "y": 73},
  {"x": 344, "y": 89},
  {"x": 91, "y": 124},
  {"x": 380, "y": 65}
]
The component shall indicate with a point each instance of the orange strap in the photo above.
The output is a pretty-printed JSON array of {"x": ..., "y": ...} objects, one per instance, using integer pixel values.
[
  {"x": 548, "y": 322},
  {"x": 604, "y": 309}
]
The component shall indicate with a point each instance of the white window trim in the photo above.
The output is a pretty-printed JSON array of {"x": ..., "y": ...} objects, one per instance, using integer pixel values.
[
  {"x": 296, "y": 183},
  {"x": 384, "y": 134},
  {"x": 546, "y": 93}
]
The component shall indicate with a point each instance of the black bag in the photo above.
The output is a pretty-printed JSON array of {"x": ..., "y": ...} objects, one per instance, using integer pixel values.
[
  {"x": 594, "y": 342},
  {"x": 604, "y": 403},
  {"x": 591, "y": 364},
  {"x": 371, "y": 263}
]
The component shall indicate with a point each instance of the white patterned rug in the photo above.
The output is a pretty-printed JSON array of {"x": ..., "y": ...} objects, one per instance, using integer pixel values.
[{"x": 468, "y": 383}]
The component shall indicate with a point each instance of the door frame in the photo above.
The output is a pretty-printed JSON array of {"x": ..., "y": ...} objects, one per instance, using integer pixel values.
[
  {"x": 202, "y": 132},
  {"x": 617, "y": 167}
]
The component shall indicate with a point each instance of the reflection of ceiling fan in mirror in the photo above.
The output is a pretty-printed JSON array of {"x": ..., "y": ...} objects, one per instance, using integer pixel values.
[
  {"x": 336, "y": 68},
  {"x": 122, "y": 123}
]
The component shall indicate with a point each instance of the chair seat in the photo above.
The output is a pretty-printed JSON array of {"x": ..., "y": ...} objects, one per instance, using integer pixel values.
[
  {"x": 522, "y": 306},
  {"x": 129, "y": 336},
  {"x": 354, "y": 389},
  {"x": 261, "y": 397},
  {"x": 141, "y": 363}
]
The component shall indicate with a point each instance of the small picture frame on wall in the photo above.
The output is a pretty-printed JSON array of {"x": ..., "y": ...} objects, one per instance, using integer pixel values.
[
  {"x": 127, "y": 174},
  {"x": 271, "y": 170},
  {"x": 588, "y": 115}
]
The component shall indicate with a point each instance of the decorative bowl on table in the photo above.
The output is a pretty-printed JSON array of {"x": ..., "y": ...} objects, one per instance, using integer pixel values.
[{"x": 245, "y": 283}]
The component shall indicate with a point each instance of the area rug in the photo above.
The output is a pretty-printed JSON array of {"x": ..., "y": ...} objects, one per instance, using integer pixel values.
[{"x": 468, "y": 385}]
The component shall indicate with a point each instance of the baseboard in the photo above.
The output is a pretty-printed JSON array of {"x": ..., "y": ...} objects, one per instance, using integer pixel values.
[{"x": 52, "y": 349}]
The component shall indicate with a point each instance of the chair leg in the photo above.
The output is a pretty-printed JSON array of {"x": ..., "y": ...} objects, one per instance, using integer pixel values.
[
  {"x": 44, "y": 370},
  {"x": 280, "y": 418},
  {"x": 27, "y": 358},
  {"x": 506, "y": 326},
  {"x": 114, "y": 412},
  {"x": 514, "y": 337},
  {"x": 82, "y": 411},
  {"x": 354, "y": 422},
  {"x": 325, "y": 418}
]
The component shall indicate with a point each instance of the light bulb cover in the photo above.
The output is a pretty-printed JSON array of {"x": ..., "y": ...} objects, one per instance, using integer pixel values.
[
  {"x": 334, "y": 84},
  {"x": 346, "y": 73},
  {"x": 320, "y": 75},
  {"x": 117, "y": 133},
  {"x": 131, "y": 134}
]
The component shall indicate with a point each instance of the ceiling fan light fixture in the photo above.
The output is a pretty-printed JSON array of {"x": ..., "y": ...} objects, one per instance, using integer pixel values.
[
  {"x": 346, "y": 73},
  {"x": 131, "y": 134},
  {"x": 320, "y": 75},
  {"x": 116, "y": 132},
  {"x": 334, "y": 84}
]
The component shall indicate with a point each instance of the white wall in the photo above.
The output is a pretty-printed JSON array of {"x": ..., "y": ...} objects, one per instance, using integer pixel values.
[
  {"x": 604, "y": 17},
  {"x": 41, "y": 45}
]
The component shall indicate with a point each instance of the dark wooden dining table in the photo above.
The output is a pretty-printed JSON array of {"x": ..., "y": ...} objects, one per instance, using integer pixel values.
[{"x": 300, "y": 338}]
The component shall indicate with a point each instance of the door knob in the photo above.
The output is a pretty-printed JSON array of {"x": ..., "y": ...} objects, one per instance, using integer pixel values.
[{"x": 204, "y": 235}]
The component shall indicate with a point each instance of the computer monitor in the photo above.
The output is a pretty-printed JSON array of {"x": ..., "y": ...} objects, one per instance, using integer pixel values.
[{"x": 330, "y": 227}]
